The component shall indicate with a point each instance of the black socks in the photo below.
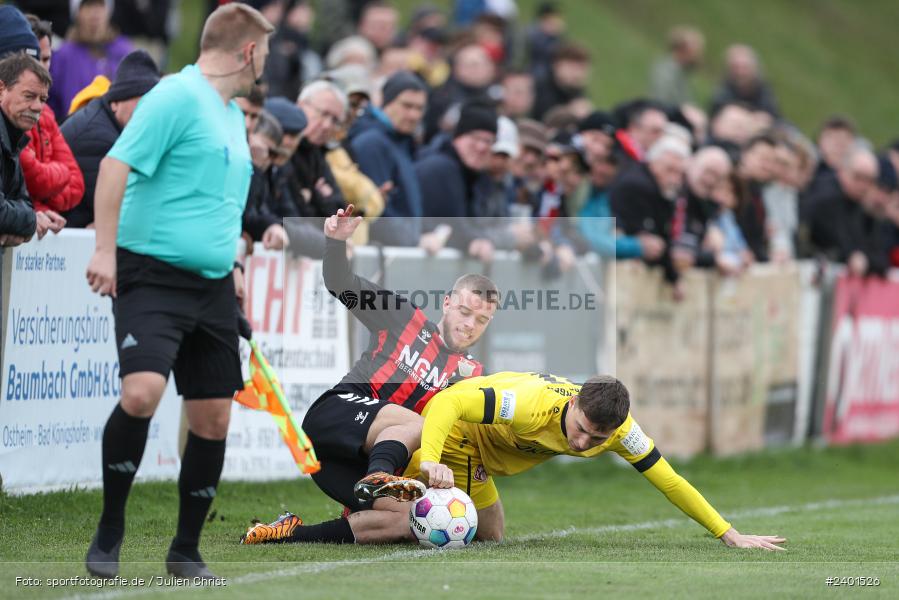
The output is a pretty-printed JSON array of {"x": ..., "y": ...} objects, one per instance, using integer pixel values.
[
  {"x": 388, "y": 456},
  {"x": 124, "y": 439},
  {"x": 337, "y": 531},
  {"x": 201, "y": 468}
]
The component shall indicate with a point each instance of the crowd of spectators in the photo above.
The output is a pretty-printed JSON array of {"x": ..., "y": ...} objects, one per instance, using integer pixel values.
[{"x": 471, "y": 130}]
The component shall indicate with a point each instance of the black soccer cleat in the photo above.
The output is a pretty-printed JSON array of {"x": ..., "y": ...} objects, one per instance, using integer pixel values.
[
  {"x": 385, "y": 485},
  {"x": 100, "y": 563}
]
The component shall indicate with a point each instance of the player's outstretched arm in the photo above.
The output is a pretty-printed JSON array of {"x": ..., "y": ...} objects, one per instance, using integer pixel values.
[{"x": 735, "y": 539}]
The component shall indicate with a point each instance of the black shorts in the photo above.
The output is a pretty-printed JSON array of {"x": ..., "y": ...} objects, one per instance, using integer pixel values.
[
  {"x": 337, "y": 424},
  {"x": 168, "y": 319}
]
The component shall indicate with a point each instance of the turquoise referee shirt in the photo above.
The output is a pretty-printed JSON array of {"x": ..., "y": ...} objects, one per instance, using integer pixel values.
[{"x": 190, "y": 174}]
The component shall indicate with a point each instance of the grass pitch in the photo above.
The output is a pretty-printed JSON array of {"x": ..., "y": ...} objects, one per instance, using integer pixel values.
[{"x": 575, "y": 530}]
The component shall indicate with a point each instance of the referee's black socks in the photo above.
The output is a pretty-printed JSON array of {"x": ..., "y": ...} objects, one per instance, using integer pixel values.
[
  {"x": 388, "y": 456},
  {"x": 124, "y": 440},
  {"x": 337, "y": 531},
  {"x": 201, "y": 468}
]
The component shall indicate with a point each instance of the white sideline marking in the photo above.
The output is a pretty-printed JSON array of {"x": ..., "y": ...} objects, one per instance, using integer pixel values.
[{"x": 400, "y": 555}]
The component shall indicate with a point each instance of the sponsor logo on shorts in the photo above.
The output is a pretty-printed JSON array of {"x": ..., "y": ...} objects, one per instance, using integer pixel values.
[
  {"x": 480, "y": 474},
  {"x": 360, "y": 418}
]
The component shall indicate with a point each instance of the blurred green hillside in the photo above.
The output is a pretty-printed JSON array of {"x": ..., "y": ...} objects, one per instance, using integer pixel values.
[{"x": 821, "y": 56}]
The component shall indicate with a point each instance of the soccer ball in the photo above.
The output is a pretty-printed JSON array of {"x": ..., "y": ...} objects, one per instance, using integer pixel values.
[{"x": 444, "y": 519}]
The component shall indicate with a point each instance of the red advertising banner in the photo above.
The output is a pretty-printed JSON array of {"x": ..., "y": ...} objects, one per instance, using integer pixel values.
[{"x": 862, "y": 402}]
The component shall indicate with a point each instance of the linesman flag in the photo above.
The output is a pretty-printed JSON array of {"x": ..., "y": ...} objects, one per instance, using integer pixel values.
[{"x": 263, "y": 392}]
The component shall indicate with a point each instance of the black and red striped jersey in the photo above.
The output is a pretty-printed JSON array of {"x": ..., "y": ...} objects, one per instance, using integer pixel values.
[{"x": 406, "y": 361}]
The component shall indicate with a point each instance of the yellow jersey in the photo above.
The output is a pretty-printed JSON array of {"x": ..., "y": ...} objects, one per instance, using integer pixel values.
[{"x": 510, "y": 422}]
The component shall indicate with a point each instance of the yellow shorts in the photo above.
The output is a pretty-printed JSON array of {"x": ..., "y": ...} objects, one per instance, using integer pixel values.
[{"x": 468, "y": 473}]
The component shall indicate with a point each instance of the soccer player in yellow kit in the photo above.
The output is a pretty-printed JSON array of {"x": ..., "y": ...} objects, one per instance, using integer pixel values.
[{"x": 507, "y": 423}]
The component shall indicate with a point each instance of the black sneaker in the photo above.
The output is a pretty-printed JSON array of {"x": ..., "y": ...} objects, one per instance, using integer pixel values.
[
  {"x": 183, "y": 566},
  {"x": 385, "y": 485}
]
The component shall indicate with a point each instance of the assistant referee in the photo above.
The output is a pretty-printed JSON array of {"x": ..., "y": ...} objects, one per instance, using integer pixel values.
[{"x": 169, "y": 200}]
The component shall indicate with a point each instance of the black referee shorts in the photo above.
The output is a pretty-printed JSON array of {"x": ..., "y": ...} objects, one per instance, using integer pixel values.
[
  {"x": 338, "y": 424},
  {"x": 171, "y": 320}
]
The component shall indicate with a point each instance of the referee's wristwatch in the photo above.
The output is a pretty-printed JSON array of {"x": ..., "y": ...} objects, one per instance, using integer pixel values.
[{"x": 238, "y": 265}]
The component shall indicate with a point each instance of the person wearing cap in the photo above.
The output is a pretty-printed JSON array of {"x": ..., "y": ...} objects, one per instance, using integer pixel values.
[
  {"x": 169, "y": 199},
  {"x": 382, "y": 142},
  {"x": 92, "y": 131},
  {"x": 597, "y": 130},
  {"x": 23, "y": 90},
  {"x": 453, "y": 178},
  {"x": 504, "y": 191},
  {"x": 529, "y": 169},
  {"x": 54, "y": 180},
  {"x": 92, "y": 48}
]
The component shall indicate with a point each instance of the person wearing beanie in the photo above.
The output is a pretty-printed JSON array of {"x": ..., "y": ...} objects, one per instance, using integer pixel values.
[
  {"x": 54, "y": 181},
  {"x": 382, "y": 143},
  {"x": 92, "y": 131},
  {"x": 16, "y": 34},
  {"x": 92, "y": 48},
  {"x": 453, "y": 179}
]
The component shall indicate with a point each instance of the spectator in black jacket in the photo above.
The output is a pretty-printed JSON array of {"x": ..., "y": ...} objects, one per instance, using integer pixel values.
[
  {"x": 643, "y": 200},
  {"x": 91, "y": 131},
  {"x": 472, "y": 74},
  {"x": 756, "y": 168},
  {"x": 305, "y": 236},
  {"x": 452, "y": 177},
  {"x": 314, "y": 188},
  {"x": 708, "y": 169},
  {"x": 24, "y": 84},
  {"x": 383, "y": 145},
  {"x": 260, "y": 222},
  {"x": 839, "y": 225}
]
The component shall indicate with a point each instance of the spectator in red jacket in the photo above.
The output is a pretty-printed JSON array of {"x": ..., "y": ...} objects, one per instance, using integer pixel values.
[{"x": 52, "y": 176}]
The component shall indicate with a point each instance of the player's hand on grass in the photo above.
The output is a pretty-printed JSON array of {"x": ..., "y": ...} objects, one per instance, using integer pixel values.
[
  {"x": 735, "y": 539},
  {"x": 342, "y": 225},
  {"x": 101, "y": 273},
  {"x": 436, "y": 474}
]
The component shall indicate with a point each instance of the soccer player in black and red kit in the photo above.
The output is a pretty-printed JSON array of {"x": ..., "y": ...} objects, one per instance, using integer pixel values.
[{"x": 367, "y": 426}]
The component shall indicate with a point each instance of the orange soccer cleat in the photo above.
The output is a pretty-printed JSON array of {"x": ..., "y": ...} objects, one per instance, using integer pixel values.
[{"x": 279, "y": 531}]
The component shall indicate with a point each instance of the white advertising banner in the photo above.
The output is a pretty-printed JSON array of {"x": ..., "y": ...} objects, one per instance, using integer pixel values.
[
  {"x": 302, "y": 331},
  {"x": 60, "y": 377}
]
